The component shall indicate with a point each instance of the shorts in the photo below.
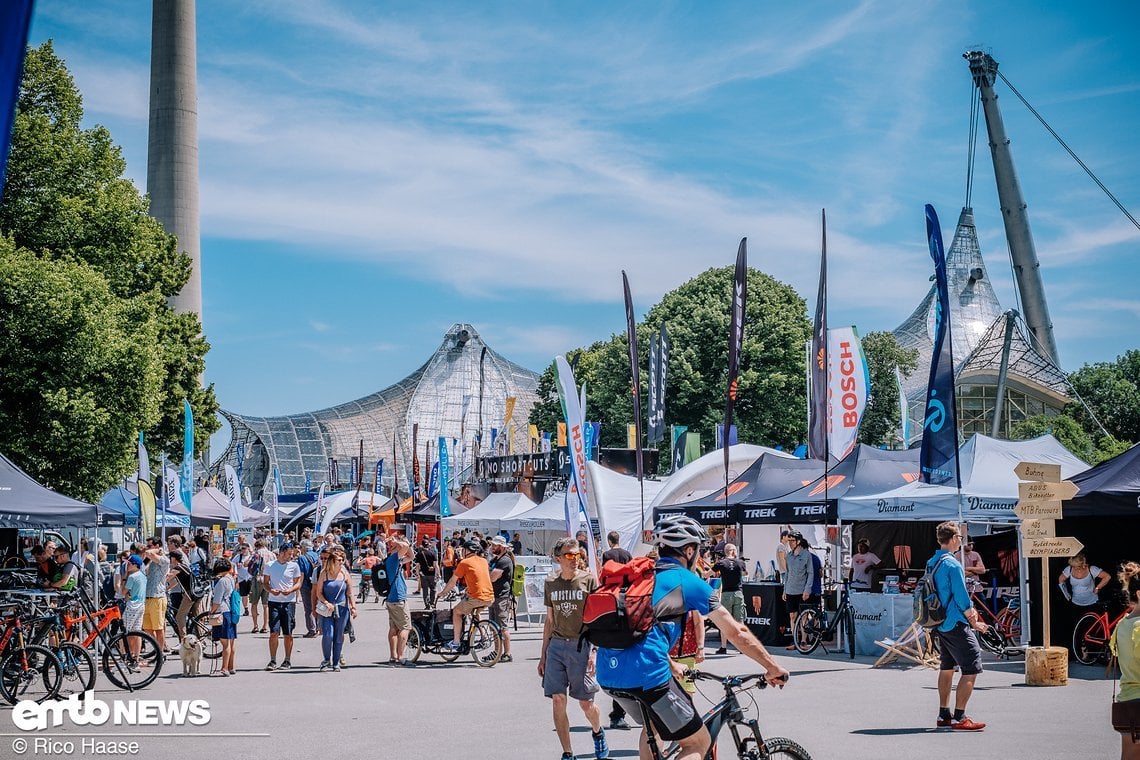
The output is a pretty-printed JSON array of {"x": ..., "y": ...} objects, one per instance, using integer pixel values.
[
  {"x": 281, "y": 617},
  {"x": 227, "y": 630},
  {"x": 154, "y": 615},
  {"x": 258, "y": 593},
  {"x": 501, "y": 610},
  {"x": 244, "y": 587},
  {"x": 398, "y": 619},
  {"x": 133, "y": 615},
  {"x": 565, "y": 669},
  {"x": 959, "y": 646},
  {"x": 796, "y": 602},
  {"x": 669, "y": 707},
  {"x": 469, "y": 605}
]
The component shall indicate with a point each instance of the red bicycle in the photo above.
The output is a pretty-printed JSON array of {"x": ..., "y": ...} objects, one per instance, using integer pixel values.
[{"x": 1091, "y": 635}]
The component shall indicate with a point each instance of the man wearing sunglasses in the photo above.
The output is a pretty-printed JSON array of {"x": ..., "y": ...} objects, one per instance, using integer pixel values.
[{"x": 566, "y": 663}]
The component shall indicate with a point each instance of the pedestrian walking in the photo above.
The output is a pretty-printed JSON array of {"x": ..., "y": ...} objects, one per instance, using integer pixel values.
[
  {"x": 799, "y": 578},
  {"x": 282, "y": 579},
  {"x": 502, "y": 566},
  {"x": 309, "y": 562},
  {"x": 334, "y": 605},
  {"x": 730, "y": 569},
  {"x": 428, "y": 562},
  {"x": 221, "y": 604},
  {"x": 134, "y": 607},
  {"x": 258, "y": 592}
]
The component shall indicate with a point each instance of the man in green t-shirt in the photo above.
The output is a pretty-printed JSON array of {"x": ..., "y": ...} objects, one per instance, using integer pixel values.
[{"x": 66, "y": 573}]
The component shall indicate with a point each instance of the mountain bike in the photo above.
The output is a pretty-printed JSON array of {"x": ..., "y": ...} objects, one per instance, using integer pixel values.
[
  {"x": 1091, "y": 635},
  {"x": 1003, "y": 637},
  {"x": 813, "y": 626},
  {"x": 431, "y": 632},
  {"x": 746, "y": 736},
  {"x": 27, "y": 671},
  {"x": 124, "y": 668}
]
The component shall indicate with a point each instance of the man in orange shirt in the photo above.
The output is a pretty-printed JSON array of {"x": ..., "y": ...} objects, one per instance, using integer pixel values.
[{"x": 474, "y": 571}]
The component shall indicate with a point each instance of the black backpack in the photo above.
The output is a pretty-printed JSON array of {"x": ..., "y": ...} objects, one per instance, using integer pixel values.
[
  {"x": 380, "y": 580},
  {"x": 928, "y": 609}
]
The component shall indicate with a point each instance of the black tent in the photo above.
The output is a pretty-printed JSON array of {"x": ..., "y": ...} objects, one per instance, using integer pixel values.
[
  {"x": 866, "y": 470},
  {"x": 428, "y": 511},
  {"x": 768, "y": 477},
  {"x": 24, "y": 503},
  {"x": 1111, "y": 489}
]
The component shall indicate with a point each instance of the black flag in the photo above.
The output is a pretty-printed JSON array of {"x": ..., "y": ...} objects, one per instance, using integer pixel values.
[
  {"x": 735, "y": 337},
  {"x": 631, "y": 332},
  {"x": 938, "y": 458},
  {"x": 663, "y": 347},
  {"x": 817, "y": 403}
]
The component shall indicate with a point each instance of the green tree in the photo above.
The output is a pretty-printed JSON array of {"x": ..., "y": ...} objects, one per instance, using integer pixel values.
[
  {"x": 66, "y": 201},
  {"x": 1112, "y": 391},
  {"x": 1071, "y": 434},
  {"x": 881, "y": 419}
]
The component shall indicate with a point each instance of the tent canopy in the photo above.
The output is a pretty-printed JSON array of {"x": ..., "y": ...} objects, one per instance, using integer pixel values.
[
  {"x": 617, "y": 500},
  {"x": 769, "y": 477},
  {"x": 540, "y": 527},
  {"x": 24, "y": 503},
  {"x": 211, "y": 506},
  {"x": 1111, "y": 489},
  {"x": 428, "y": 511},
  {"x": 989, "y": 485},
  {"x": 487, "y": 514},
  {"x": 705, "y": 475}
]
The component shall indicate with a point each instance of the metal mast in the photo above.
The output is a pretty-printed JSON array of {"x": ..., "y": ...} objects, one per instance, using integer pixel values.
[{"x": 1027, "y": 269}]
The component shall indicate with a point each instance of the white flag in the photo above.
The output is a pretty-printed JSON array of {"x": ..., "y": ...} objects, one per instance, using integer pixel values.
[
  {"x": 849, "y": 383},
  {"x": 235, "y": 495}
]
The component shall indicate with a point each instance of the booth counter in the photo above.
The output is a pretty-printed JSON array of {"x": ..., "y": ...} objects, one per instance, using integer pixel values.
[
  {"x": 764, "y": 612},
  {"x": 880, "y": 616}
]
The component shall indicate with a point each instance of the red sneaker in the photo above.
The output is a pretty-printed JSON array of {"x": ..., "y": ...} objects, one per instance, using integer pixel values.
[
  {"x": 944, "y": 723},
  {"x": 966, "y": 725}
]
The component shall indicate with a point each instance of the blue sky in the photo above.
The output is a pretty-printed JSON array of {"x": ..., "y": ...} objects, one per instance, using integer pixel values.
[{"x": 373, "y": 172}]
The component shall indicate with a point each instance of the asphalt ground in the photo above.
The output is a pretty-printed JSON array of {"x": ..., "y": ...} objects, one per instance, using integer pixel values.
[{"x": 833, "y": 706}]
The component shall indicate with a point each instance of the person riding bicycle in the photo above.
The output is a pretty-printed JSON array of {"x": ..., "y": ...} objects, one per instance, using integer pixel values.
[
  {"x": 641, "y": 677},
  {"x": 474, "y": 571}
]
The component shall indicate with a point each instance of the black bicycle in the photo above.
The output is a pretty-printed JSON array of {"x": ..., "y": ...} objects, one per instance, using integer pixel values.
[
  {"x": 746, "y": 736},
  {"x": 813, "y": 626}
]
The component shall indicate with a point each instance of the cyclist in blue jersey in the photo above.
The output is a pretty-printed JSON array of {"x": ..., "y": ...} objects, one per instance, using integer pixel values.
[{"x": 642, "y": 677}]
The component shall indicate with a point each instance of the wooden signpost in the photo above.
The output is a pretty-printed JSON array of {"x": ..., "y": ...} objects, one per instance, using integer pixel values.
[{"x": 1038, "y": 506}]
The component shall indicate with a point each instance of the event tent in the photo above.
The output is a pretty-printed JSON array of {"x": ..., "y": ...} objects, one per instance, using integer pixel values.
[
  {"x": 487, "y": 514},
  {"x": 211, "y": 506},
  {"x": 769, "y": 477},
  {"x": 24, "y": 503},
  {"x": 428, "y": 511},
  {"x": 705, "y": 474},
  {"x": 124, "y": 503},
  {"x": 336, "y": 506},
  {"x": 539, "y": 527},
  {"x": 989, "y": 485},
  {"x": 1111, "y": 489},
  {"x": 617, "y": 500}
]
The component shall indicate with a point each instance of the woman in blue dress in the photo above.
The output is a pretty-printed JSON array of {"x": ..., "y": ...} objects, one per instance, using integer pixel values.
[{"x": 335, "y": 603}]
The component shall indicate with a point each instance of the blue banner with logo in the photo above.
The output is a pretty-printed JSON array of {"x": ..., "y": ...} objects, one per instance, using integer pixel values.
[
  {"x": 444, "y": 504},
  {"x": 187, "y": 486},
  {"x": 938, "y": 458},
  {"x": 15, "y": 17}
]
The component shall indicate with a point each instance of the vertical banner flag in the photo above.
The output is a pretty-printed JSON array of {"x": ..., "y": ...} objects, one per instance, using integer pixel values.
[
  {"x": 679, "y": 446},
  {"x": 938, "y": 458},
  {"x": 352, "y": 472},
  {"x": 319, "y": 514},
  {"x": 818, "y": 384},
  {"x": 444, "y": 497},
  {"x": 653, "y": 435},
  {"x": 850, "y": 386},
  {"x": 433, "y": 479},
  {"x": 663, "y": 348},
  {"x": 415, "y": 487},
  {"x": 631, "y": 335},
  {"x": 357, "y": 476},
  {"x": 631, "y": 436},
  {"x": 308, "y": 483},
  {"x": 593, "y": 440},
  {"x": 692, "y": 447},
  {"x": 277, "y": 487},
  {"x": 269, "y": 495},
  {"x": 234, "y": 494},
  {"x": 376, "y": 478},
  {"x": 510, "y": 412},
  {"x": 735, "y": 336},
  {"x": 575, "y": 424},
  {"x": 187, "y": 485},
  {"x": 171, "y": 488},
  {"x": 904, "y": 410},
  {"x": 240, "y": 458},
  {"x": 533, "y": 437},
  {"x": 395, "y": 472},
  {"x": 144, "y": 461},
  {"x": 332, "y": 477},
  {"x": 561, "y": 433},
  {"x": 147, "y": 508},
  {"x": 15, "y": 18}
]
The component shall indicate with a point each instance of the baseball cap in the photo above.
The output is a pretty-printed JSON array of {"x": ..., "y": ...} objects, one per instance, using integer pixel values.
[{"x": 135, "y": 560}]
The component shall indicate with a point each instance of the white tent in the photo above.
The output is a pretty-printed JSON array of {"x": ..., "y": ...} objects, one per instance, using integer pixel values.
[
  {"x": 617, "y": 500},
  {"x": 487, "y": 514},
  {"x": 539, "y": 527},
  {"x": 989, "y": 485},
  {"x": 704, "y": 475},
  {"x": 211, "y": 506},
  {"x": 338, "y": 503}
]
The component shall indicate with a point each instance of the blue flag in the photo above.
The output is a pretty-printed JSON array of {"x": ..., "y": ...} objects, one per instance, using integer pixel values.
[
  {"x": 938, "y": 458},
  {"x": 433, "y": 480},
  {"x": 444, "y": 504},
  {"x": 15, "y": 17},
  {"x": 187, "y": 475}
]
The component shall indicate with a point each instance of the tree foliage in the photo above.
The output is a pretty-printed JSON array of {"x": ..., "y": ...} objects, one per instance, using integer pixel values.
[
  {"x": 86, "y": 274},
  {"x": 880, "y": 422},
  {"x": 771, "y": 401},
  {"x": 1112, "y": 392},
  {"x": 1070, "y": 434}
]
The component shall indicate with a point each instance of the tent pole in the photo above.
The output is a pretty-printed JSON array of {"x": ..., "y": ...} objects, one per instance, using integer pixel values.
[{"x": 1023, "y": 585}]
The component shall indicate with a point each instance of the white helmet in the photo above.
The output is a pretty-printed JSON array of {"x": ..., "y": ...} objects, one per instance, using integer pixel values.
[{"x": 677, "y": 531}]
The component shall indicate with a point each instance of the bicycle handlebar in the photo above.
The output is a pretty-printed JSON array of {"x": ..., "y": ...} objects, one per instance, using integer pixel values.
[{"x": 734, "y": 682}]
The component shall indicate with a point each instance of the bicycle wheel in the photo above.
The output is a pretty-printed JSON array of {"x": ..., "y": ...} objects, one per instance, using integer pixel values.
[
  {"x": 412, "y": 647},
  {"x": 781, "y": 747},
  {"x": 126, "y": 671},
  {"x": 199, "y": 625},
  {"x": 486, "y": 643},
  {"x": 78, "y": 669},
  {"x": 32, "y": 672},
  {"x": 15, "y": 562},
  {"x": 1089, "y": 641},
  {"x": 849, "y": 630},
  {"x": 808, "y": 630}
]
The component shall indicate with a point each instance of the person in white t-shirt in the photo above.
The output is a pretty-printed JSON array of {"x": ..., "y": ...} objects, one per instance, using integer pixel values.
[
  {"x": 862, "y": 562},
  {"x": 282, "y": 579}
]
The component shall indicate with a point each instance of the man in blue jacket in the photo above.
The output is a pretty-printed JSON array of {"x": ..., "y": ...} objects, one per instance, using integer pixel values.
[{"x": 957, "y": 642}]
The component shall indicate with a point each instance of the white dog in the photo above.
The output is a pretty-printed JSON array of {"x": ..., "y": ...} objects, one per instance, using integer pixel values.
[{"x": 190, "y": 650}]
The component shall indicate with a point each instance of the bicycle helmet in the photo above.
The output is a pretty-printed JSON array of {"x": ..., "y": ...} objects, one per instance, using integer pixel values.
[
  {"x": 474, "y": 546},
  {"x": 677, "y": 531}
]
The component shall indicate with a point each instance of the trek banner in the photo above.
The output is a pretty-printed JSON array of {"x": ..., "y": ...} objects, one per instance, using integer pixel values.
[
  {"x": 663, "y": 349},
  {"x": 938, "y": 458},
  {"x": 850, "y": 385}
]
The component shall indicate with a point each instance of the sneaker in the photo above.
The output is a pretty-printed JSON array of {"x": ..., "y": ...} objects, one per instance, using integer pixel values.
[
  {"x": 506, "y": 658},
  {"x": 310, "y": 635},
  {"x": 272, "y": 665},
  {"x": 568, "y": 756},
  {"x": 601, "y": 746},
  {"x": 324, "y": 667},
  {"x": 619, "y": 724},
  {"x": 722, "y": 650},
  {"x": 452, "y": 646},
  {"x": 966, "y": 725},
  {"x": 336, "y": 668},
  {"x": 285, "y": 664}
]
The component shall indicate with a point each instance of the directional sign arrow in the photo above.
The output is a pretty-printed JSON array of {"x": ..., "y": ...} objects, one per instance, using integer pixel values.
[
  {"x": 1038, "y": 529},
  {"x": 1050, "y": 473},
  {"x": 1061, "y": 546},
  {"x": 1038, "y": 510},
  {"x": 1037, "y": 491}
]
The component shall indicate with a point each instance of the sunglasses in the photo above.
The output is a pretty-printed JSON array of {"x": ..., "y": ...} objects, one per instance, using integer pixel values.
[{"x": 570, "y": 555}]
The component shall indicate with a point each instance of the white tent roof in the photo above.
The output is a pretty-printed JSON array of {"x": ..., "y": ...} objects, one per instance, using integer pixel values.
[
  {"x": 549, "y": 515},
  {"x": 212, "y": 506},
  {"x": 704, "y": 475},
  {"x": 486, "y": 515},
  {"x": 617, "y": 500},
  {"x": 989, "y": 485}
]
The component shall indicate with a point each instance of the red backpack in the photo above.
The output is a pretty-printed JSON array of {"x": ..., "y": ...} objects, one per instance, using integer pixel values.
[{"x": 621, "y": 612}]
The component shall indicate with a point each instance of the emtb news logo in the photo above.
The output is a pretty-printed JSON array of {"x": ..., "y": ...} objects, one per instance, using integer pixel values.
[{"x": 86, "y": 710}]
